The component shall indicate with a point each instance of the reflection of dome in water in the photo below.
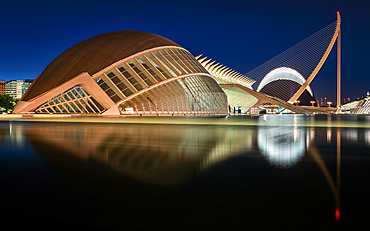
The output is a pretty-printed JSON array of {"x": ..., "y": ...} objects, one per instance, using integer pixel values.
[
  {"x": 283, "y": 147},
  {"x": 156, "y": 154}
]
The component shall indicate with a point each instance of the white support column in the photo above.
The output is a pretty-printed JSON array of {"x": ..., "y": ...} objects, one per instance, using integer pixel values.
[{"x": 339, "y": 61}]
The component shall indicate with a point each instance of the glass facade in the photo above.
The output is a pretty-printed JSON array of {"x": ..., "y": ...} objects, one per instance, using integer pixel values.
[
  {"x": 146, "y": 70},
  {"x": 197, "y": 94},
  {"x": 25, "y": 86},
  {"x": 189, "y": 95},
  {"x": 183, "y": 87},
  {"x": 74, "y": 100}
]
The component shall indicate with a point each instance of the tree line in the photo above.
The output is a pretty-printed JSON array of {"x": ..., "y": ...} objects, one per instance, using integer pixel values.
[{"x": 7, "y": 102}]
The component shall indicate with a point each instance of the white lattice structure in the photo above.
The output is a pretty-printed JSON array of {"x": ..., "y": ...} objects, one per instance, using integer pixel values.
[
  {"x": 224, "y": 74},
  {"x": 226, "y": 78},
  {"x": 360, "y": 107},
  {"x": 363, "y": 107}
]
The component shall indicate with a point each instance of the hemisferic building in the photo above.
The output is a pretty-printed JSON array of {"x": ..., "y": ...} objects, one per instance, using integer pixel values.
[{"x": 125, "y": 73}]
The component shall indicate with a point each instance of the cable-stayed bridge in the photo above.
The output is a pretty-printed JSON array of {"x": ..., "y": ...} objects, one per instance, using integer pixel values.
[{"x": 286, "y": 77}]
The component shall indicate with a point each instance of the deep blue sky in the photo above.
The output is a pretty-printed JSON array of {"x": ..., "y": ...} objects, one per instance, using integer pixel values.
[{"x": 239, "y": 34}]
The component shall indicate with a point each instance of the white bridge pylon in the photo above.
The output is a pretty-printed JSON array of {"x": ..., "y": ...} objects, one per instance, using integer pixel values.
[{"x": 337, "y": 35}]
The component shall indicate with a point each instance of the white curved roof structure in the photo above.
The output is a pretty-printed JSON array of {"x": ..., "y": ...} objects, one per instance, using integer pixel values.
[
  {"x": 125, "y": 73},
  {"x": 224, "y": 74},
  {"x": 283, "y": 73}
]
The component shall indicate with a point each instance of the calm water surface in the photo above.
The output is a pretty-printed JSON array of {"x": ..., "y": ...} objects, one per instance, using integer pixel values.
[{"x": 290, "y": 171}]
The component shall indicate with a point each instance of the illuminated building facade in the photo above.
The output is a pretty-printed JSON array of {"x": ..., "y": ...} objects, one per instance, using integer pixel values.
[
  {"x": 138, "y": 73},
  {"x": 125, "y": 73},
  {"x": 360, "y": 106},
  {"x": 228, "y": 79},
  {"x": 240, "y": 94}
]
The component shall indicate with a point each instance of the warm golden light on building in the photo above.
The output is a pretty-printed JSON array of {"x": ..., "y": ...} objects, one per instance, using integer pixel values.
[{"x": 128, "y": 73}]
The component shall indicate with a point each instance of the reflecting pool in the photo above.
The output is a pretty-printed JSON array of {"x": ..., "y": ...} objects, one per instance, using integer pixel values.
[{"x": 289, "y": 171}]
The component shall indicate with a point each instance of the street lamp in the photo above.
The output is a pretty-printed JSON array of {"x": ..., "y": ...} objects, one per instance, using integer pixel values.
[
  {"x": 329, "y": 103},
  {"x": 312, "y": 102}
]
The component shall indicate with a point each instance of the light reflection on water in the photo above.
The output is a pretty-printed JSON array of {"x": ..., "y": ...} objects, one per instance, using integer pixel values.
[
  {"x": 175, "y": 156},
  {"x": 155, "y": 152},
  {"x": 158, "y": 154},
  {"x": 283, "y": 147}
]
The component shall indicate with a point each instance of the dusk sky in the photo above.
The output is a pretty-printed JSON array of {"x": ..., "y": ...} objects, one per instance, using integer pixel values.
[{"x": 238, "y": 34}]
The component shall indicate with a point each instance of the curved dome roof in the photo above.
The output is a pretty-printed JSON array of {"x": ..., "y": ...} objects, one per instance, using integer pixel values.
[
  {"x": 283, "y": 73},
  {"x": 92, "y": 55}
]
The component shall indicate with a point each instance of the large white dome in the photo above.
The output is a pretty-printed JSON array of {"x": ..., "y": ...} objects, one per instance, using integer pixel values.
[{"x": 283, "y": 73}]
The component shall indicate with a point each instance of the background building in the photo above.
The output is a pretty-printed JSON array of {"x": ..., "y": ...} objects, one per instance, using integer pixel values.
[
  {"x": 17, "y": 88},
  {"x": 14, "y": 88},
  {"x": 2, "y": 87},
  {"x": 26, "y": 84}
]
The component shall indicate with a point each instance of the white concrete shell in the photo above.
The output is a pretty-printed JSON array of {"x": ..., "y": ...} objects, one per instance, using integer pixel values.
[
  {"x": 151, "y": 75},
  {"x": 223, "y": 74},
  {"x": 283, "y": 73}
]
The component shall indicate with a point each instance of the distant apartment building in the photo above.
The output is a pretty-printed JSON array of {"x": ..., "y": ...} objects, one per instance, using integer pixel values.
[
  {"x": 16, "y": 88},
  {"x": 2, "y": 87}
]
